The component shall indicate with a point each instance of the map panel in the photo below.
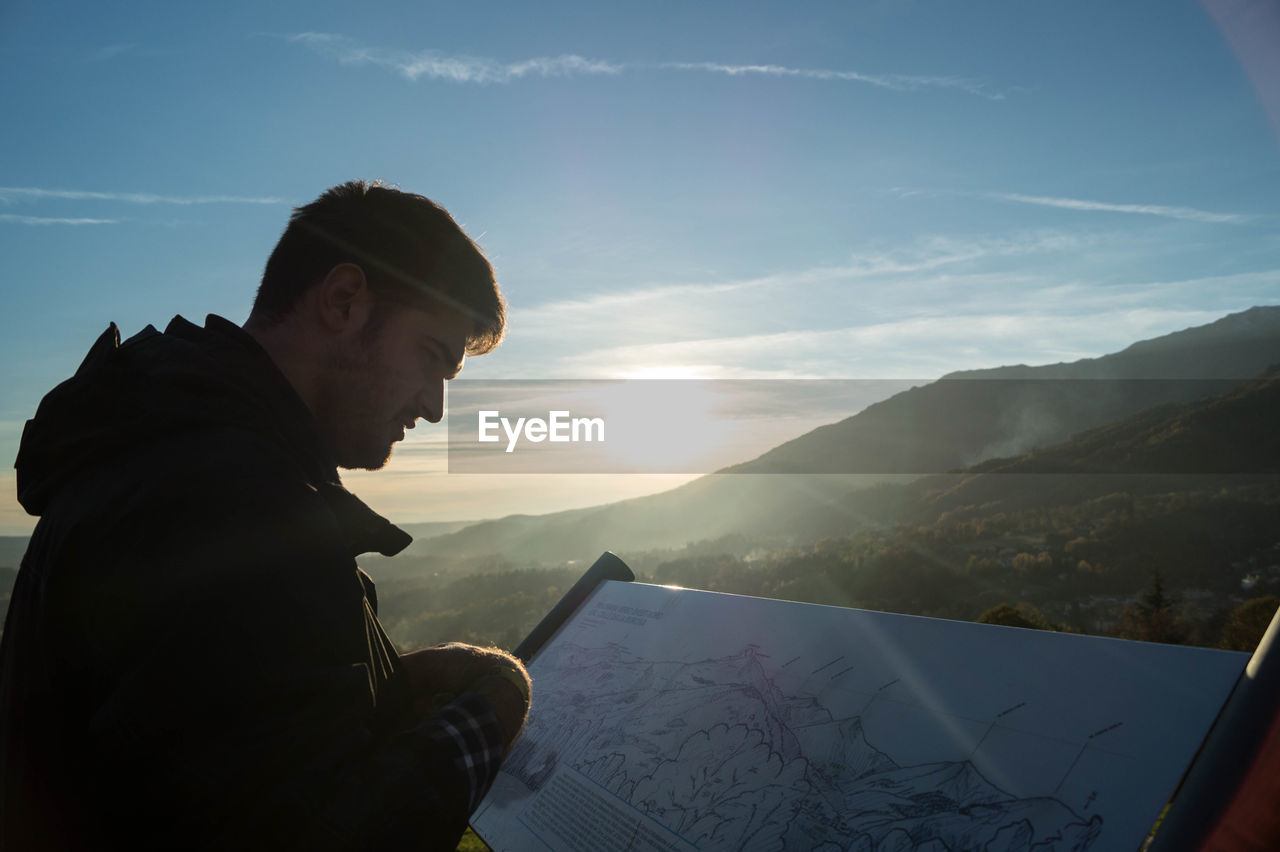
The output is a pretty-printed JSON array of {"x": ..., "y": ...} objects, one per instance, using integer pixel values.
[{"x": 672, "y": 719}]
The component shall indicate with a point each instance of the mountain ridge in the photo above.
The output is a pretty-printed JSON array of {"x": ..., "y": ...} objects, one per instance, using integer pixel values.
[
  {"x": 923, "y": 430},
  {"x": 968, "y": 416}
]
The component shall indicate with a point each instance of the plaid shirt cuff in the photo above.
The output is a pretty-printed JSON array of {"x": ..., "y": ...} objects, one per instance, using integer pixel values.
[{"x": 467, "y": 730}]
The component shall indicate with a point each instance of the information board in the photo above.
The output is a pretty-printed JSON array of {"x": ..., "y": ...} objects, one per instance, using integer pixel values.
[{"x": 672, "y": 719}]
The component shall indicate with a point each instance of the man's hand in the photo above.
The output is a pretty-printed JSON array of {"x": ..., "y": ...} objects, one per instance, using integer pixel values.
[{"x": 438, "y": 674}]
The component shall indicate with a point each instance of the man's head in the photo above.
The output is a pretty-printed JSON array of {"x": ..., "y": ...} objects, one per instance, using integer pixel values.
[
  {"x": 411, "y": 251},
  {"x": 368, "y": 304}
]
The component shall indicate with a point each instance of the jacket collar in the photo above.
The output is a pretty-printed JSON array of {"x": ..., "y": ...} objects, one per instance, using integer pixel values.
[{"x": 366, "y": 531}]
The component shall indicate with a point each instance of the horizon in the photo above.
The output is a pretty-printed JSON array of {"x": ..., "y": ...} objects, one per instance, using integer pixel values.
[{"x": 885, "y": 192}]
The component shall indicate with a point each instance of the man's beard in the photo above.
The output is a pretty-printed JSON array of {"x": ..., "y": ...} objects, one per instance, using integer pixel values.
[
  {"x": 371, "y": 456},
  {"x": 347, "y": 407}
]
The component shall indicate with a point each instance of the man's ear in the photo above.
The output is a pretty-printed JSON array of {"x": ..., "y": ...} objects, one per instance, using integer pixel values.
[{"x": 343, "y": 298}]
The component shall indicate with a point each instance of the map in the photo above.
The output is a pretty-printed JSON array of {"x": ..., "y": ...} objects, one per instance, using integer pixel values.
[{"x": 671, "y": 719}]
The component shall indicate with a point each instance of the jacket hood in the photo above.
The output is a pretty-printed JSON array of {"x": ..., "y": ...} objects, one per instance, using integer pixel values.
[
  {"x": 124, "y": 396},
  {"x": 187, "y": 382}
]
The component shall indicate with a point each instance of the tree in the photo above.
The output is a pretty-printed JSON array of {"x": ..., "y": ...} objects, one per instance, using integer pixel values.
[
  {"x": 1153, "y": 618},
  {"x": 1022, "y": 615},
  {"x": 1247, "y": 622},
  {"x": 1024, "y": 562}
]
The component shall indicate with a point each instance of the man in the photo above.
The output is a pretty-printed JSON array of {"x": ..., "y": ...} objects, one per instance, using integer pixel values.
[{"x": 191, "y": 657}]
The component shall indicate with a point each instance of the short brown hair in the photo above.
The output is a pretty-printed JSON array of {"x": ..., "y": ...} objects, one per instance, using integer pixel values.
[{"x": 411, "y": 250}]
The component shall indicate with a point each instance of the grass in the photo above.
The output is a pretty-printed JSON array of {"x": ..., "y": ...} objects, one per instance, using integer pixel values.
[{"x": 471, "y": 843}]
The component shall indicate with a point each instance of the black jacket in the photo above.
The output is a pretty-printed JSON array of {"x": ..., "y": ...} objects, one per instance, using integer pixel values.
[{"x": 191, "y": 658}]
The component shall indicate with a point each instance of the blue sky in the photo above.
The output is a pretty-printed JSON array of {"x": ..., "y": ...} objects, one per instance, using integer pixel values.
[{"x": 887, "y": 189}]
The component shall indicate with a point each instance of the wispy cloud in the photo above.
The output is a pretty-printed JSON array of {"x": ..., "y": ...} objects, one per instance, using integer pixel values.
[
  {"x": 457, "y": 69},
  {"x": 14, "y": 193},
  {"x": 924, "y": 308},
  {"x": 50, "y": 220},
  {"x": 924, "y": 255},
  {"x": 436, "y": 65},
  {"x": 897, "y": 82},
  {"x": 1189, "y": 214}
]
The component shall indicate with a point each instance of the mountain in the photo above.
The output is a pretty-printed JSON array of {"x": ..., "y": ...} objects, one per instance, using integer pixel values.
[
  {"x": 1234, "y": 433},
  {"x": 431, "y": 528},
  {"x": 12, "y": 548},
  {"x": 788, "y": 507},
  {"x": 1156, "y": 527},
  {"x": 1230, "y": 438},
  {"x": 960, "y": 420},
  {"x": 966, "y": 417}
]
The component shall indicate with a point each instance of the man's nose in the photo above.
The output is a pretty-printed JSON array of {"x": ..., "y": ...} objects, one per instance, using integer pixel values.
[{"x": 431, "y": 402}]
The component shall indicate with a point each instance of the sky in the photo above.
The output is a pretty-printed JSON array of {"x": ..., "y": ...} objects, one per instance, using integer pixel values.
[{"x": 891, "y": 189}]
